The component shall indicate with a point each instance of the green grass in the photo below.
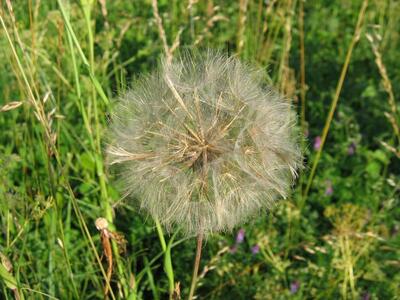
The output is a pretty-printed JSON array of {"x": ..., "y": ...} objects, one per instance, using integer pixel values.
[{"x": 63, "y": 62}]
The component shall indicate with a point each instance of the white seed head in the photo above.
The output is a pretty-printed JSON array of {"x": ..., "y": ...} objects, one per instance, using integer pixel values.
[{"x": 203, "y": 144}]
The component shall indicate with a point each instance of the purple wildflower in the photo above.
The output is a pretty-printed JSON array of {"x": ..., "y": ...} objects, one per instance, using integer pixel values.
[
  {"x": 366, "y": 296},
  {"x": 240, "y": 236},
  {"x": 351, "y": 149},
  {"x": 317, "y": 143},
  {"x": 255, "y": 249},
  {"x": 329, "y": 188},
  {"x": 294, "y": 286}
]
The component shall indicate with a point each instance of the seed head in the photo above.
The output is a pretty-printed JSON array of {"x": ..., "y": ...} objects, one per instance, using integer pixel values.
[{"x": 203, "y": 144}]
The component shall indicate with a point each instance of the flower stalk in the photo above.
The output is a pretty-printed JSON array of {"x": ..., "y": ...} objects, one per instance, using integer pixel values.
[{"x": 196, "y": 266}]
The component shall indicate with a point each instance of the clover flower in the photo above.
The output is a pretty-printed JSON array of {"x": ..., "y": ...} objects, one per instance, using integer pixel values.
[
  {"x": 255, "y": 249},
  {"x": 352, "y": 148},
  {"x": 294, "y": 286},
  {"x": 317, "y": 143},
  {"x": 328, "y": 188},
  {"x": 240, "y": 236},
  {"x": 203, "y": 144}
]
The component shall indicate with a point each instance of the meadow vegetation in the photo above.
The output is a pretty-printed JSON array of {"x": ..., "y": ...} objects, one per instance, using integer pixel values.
[{"x": 64, "y": 62}]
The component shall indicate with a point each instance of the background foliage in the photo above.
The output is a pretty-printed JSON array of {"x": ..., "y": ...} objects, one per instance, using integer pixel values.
[{"x": 61, "y": 63}]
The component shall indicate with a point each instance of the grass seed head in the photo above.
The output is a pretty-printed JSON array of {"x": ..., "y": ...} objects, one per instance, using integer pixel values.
[{"x": 203, "y": 144}]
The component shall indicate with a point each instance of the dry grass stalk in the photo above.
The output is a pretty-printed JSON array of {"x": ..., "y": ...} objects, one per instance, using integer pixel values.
[
  {"x": 169, "y": 51},
  {"x": 213, "y": 262},
  {"x": 177, "y": 291},
  {"x": 11, "y": 105},
  {"x": 106, "y": 236},
  {"x": 209, "y": 25},
  {"x": 242, "y": 24},
  {"x": 29, "y": 83},
  {"x": 267, "y": 37},
  {"x": 355, "y": 39},
  {"x": 103, "y": 4},
  {"x": 387, "y": 85},
  {"x": 286, "y": 75}
]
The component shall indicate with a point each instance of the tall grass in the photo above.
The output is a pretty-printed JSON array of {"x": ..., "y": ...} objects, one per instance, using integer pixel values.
[{"x": 64, "y": 61}]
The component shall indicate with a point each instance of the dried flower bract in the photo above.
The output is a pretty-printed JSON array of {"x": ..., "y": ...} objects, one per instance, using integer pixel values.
[{"x": 203, "y": 144}]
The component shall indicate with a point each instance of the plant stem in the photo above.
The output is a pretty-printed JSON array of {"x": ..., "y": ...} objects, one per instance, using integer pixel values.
[
  {"x": 356, "y": 37},
  {"x": 167, "y": 258},
  {"x": 196, "y": 265},
  {"x": 302, "y": 88}
]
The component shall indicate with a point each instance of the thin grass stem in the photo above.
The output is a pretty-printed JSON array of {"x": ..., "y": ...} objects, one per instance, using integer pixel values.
[
  {"x": 302, "y": 69},
  {"x": 335, "y": 100},
  {"x": 167, "y": 258}
]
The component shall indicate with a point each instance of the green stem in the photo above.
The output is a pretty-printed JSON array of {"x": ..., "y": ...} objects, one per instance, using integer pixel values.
[
  {"x": 335, "y": 100},
  {"x": 167, "y": 258}
]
